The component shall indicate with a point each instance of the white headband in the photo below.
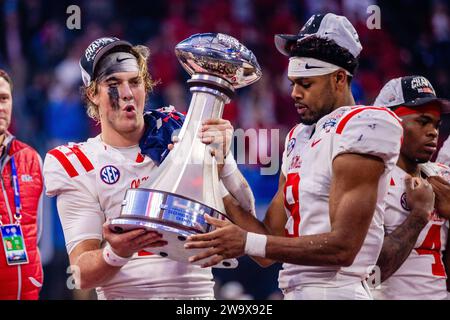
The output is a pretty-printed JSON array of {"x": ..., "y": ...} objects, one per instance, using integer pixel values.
[{"x": 310, "y": 67}]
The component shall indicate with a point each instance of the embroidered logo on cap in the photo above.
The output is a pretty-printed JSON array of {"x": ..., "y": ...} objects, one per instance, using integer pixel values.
[
  {"x": 95, "y": 46},
  {"x": 422, "y": 85}
]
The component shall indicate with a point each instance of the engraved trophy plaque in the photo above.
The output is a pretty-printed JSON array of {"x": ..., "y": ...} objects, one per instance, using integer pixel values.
[{"x": 186, "y": 185}]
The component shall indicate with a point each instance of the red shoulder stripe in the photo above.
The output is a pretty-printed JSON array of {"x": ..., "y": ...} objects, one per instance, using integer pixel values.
[
  {"x": 344, "y": 121},
  {"x": 64, "y": 162},
  {"x": 292, "y": 131},
  {"x": 87, "y": 165}
]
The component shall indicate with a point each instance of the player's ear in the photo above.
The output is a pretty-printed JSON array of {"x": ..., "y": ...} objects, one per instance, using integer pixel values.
[
  {"x": 92, "y": 93},
  {"x": 340, "y": 78}
]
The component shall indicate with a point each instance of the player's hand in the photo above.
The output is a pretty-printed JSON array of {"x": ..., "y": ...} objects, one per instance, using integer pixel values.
[
  {"x": 127, "y": 243},
  {"x": 420, "y": 197},
  {"x": 218, "y": 133},
  {"x": 227, "y": 241},
  {"x": 442, "y": 190}
]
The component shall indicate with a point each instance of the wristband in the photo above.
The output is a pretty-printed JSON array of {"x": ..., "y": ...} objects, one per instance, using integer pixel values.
[
  {"x": 255, "y": 245},
  {"x": 112, "y": 258},
  {"x": 229, "y": 166}
]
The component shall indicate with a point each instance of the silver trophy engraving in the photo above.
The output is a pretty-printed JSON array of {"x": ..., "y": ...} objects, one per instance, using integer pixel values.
[{"x": 186, "y": 185}]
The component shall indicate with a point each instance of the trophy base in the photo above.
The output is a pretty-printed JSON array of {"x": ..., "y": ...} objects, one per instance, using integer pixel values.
[{"x": 174, "y": 249}]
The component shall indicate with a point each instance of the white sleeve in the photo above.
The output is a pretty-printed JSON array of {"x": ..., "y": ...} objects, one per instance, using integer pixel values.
[
  {"x": 56, "y": 179},
  {"x": 375, "y": 132},
  {"x": 284, "y": 158},
  {"x": 444, "y": 153},
  {"x": 81, "y": 217},
  {"x": 79, "y": 211},
  {"x": 223, "y": 191},
  {"x": 233, "y": 181},
  {"x": 436, "y": 169}
]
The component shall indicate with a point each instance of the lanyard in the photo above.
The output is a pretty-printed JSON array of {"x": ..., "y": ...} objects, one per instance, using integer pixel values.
[{"x": 17, "y": 214}]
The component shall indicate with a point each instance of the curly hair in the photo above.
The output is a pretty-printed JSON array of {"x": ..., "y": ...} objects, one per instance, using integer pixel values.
[
  {"x": 326, "y": 50},
  {"x": 142, "y": 53}
]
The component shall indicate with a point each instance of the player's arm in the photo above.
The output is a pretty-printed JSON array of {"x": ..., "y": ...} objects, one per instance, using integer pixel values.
[
  {"x": 83, "y": 225},
  {"x": 273, "y": 223},
  {"x": 87, "y": 258},
  {"x": 398, "y": 244},
  {"x": 84, "y": 230},
  {"x": 352, "y": 204}
]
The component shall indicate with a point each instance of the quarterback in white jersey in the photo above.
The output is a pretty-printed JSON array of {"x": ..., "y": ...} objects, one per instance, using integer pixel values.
[
  {"x": 414, "y": 256},
  {"x": 90, "y": 179},
  {"x": 324, "y": 222}
]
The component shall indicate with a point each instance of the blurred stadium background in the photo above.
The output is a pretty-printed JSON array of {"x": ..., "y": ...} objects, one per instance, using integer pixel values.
[{"x": 42, "y": 54}]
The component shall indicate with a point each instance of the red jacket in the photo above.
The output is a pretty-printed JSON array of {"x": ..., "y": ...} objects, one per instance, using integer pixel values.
[{"x": 22, "y": 281}]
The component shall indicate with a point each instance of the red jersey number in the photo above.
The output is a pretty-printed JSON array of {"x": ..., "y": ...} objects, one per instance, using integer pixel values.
[
  {"x": 432, "y": 245},
  {"x": 291, "y": 202}
]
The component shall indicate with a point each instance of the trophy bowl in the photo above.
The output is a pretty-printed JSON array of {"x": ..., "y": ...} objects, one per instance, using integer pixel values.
[
  {"x": 221, "y": 55},
  {"x": 174, "y": 216}
]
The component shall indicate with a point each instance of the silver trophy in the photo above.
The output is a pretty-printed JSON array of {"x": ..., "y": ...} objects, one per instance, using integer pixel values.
[{"x": 186, "y": 185}]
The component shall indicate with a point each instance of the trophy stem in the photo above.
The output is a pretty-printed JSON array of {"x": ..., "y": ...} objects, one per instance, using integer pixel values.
[{"x": 193, "y": 170}]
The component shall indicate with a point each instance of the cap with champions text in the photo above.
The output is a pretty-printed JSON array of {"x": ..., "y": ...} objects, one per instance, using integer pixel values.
[
  {"x": 410, "y": 91},
  {"x": 95, "y": 51}
]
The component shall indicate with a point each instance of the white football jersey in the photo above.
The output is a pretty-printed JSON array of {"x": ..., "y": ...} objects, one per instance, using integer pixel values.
[
  {"x": 422, "y": 275},
  {"x": 307, "y": 165},
  {"x": 90, "y": 180},
  {"x": 444, "y": 153}
]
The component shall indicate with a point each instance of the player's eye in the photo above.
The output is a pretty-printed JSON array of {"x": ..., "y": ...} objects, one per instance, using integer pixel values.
[
  {"x": 306, "y": 85},
  {"x": 136, "y": 81},
  {"x": 423, "y": 122}
]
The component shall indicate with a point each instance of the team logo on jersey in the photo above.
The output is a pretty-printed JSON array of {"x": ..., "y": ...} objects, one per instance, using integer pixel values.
[
  {"x": 404, "y": 203},
  {"x": 290, "y": 146},
  {"x": 330, "y": 123},
  {"x": 109, "y": 174}
]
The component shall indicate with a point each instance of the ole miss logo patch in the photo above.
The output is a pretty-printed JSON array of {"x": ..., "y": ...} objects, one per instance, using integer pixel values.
[
  {"x": 109, "y": 174},
  {"x": 404, "y": 203}
]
